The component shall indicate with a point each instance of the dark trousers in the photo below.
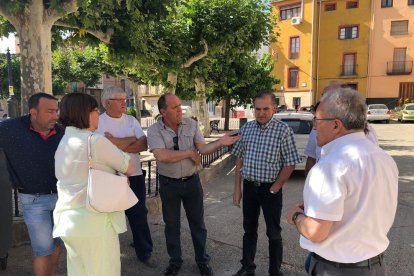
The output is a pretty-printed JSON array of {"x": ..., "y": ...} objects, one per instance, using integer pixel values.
[
  {"x": 271, "y": 204},
  {"x": 320, "y": 268},
  {"x": 137, "y": 217},
  {"x": 190, "y": 193}
]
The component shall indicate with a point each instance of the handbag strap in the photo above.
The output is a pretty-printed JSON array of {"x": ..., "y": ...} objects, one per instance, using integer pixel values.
[{"x": 90, "y": 151}]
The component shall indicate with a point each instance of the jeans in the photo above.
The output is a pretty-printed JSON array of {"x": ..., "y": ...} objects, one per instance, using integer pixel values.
[
  {"x": 271, "y": 204},
  {"x": 190, "y": 193},
  {"x": 137, "y": 218},
  {"x": 38, "y": 216}
]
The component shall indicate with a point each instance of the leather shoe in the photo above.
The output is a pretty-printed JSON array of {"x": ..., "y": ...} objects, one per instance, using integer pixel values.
[
  {"x": 205, "y": 270},
  {"x": 244, "y": 272},
  {"x": 171, "y": 270},
  {"x": 150, "y": 262}
]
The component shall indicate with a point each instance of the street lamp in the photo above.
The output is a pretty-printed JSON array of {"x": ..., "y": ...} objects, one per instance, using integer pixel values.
[{"x": 11, "y": 101}]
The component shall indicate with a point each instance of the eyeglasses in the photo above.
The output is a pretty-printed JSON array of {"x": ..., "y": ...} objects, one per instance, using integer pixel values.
[
  {"x": 175, "y": 141},
  {"x": 315, "y": 120},
  {"x": 118, "y": 100}
]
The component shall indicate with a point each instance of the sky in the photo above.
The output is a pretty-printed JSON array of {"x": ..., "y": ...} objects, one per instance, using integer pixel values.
[{"x": 7, "y": 42}]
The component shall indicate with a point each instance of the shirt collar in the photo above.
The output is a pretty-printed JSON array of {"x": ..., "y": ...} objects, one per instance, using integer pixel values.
[
  {"x": 44, "y": 136},
  {"x": 265, "y": 126},
  {"x": 343, "y": 140}
]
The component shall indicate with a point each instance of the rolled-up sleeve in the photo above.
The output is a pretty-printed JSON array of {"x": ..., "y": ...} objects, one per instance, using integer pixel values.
[
  {"x": 107, "y": 154},
  {"x": 154, "y": 138}
]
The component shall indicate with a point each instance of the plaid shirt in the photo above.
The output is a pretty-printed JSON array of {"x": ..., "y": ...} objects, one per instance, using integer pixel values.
[{"x": 265, "y": 150}]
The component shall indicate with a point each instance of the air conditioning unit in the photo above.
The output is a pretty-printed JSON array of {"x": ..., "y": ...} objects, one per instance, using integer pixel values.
[{"x": 295, "y": 20}]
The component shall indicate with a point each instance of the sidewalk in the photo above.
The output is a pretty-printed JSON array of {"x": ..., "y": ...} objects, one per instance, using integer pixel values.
[{"x": 224, "y": 226}]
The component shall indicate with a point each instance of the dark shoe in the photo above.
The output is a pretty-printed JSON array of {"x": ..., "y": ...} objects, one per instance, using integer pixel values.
[
  {"x": 244, "y": 272},
  {"x": 150, "y": 262},
  {"x": 205, "y": 270},
  {"x": 171, "y": 270},
  {"x": 3, "y": 262}
]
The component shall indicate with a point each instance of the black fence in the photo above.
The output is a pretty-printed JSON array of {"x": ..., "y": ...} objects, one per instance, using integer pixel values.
[{"x": 149, "y": 168}]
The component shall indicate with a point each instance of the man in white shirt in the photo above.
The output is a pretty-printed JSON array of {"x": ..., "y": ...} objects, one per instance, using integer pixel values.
[
  {"x": 125, "y": 132},
  {"x": 350, "y": 195}
]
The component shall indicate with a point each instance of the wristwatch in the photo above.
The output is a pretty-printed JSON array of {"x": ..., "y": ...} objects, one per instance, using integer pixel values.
[{"x": 295, "y": 216}]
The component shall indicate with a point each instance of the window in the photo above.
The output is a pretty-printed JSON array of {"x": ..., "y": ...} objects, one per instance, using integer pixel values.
[
  {"x": 410, "y": 2},
  {"x": 352, "y": 4},
  {"x": 293, "y": 77},
  {"x": 386, "y": 3},
  {"x": 353, "y": 86},
  {"x": 399, "y": 27},
  {"x": 349, "y": 64},
  {"x": 349, "y": 32},
  {"x": 330, "y": 6},
  {"x": 287, "y": 12},
  {"x": 400, "y": 55},
  {"x": 294, "y": 47}
]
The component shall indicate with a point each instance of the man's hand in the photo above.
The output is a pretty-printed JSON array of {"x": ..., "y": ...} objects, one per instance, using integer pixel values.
[
  {"x": 275, "y": 187},
  {"x": 229, "y": 138},
  {"x": 297, "y": 208},
  {"x": 196, "y": 158},
  {"x": 237, "y": 196},
  {"x": 108, "y": 135}
]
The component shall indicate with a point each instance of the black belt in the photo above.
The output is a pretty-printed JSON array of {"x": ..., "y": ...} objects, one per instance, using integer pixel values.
[
  {"x": 259, "y": 184},
  {"x": 367, "y": 263},
  {"x": 182, "y": 179},
  {"x": 38, "y": 193}
]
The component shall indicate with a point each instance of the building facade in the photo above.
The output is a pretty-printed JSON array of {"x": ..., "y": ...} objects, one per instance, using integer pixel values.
[
  {"x": 364, "y": 44},
  {"x": 392, "y": 52}
]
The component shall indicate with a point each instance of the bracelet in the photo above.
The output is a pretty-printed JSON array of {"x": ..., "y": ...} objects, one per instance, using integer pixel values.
[{"x": 295, "y": 216}]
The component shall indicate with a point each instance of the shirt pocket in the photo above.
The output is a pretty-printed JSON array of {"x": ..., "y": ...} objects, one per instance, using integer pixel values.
[{"x": 186, "y": 141}]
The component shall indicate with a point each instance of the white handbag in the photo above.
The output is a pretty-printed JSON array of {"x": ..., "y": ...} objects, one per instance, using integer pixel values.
[{"x": 107, "y": 192}]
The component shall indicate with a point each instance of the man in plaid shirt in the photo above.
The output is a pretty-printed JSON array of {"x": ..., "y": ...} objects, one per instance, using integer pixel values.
[{"x": 266, "y": 157}]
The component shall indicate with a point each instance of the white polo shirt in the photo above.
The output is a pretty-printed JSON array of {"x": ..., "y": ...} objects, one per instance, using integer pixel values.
[
  {"x": 125, "y": 126},
  {"x": 355, "y": 185}
]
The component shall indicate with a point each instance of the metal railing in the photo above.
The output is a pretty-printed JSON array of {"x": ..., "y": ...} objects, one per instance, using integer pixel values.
[
  {"x": 399, "y": 67},
  {"x": 149, "y": 168}
]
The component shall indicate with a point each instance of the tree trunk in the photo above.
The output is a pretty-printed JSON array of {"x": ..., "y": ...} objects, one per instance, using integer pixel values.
[
  {"x": 136, "y": 91},
  {"x": 227, "y": 114},
  {"x": 36, "y": 54},
  {"x": 172, "y": 80},
  {"x": 201, "y": 105}
]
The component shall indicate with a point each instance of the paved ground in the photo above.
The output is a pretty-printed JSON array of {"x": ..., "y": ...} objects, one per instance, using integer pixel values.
[{"x": 225, "y": 231}]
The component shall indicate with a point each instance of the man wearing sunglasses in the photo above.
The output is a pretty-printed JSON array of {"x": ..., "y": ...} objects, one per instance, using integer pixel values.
[
  {"x": 350, "y": 195},
  {"x": 177, "y": 143}
]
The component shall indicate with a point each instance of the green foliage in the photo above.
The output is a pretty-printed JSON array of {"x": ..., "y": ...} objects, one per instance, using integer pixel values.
[
  {"x": 4, "y": 81},
  {"x": 78, "y": 64},
  {"x": 131, "y": 111},
  {"x": 241, "y": 78}
]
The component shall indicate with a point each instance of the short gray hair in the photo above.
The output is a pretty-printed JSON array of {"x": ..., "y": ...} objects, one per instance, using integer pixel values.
[
  {"x": 347, "y": 105},
  {"x": 109, "y": 92}
]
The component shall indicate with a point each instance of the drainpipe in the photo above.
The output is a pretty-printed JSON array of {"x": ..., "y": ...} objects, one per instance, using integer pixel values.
[
  {"x": 371, "y": 41},
  {"x": 311, "y": 100},
  {"x": 319, "y": 46}
]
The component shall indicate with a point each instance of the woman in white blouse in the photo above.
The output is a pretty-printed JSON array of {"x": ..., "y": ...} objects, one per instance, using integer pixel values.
[{"x": 91, "y": 239}]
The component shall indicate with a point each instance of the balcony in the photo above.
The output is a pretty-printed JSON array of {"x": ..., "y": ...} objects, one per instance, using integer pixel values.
[
  {"x": 399, "y": 67},
  {"x": 348, "y": 70}
]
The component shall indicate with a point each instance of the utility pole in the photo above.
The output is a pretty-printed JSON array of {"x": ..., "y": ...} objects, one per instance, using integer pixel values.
[{"x": 11, "y": 101}]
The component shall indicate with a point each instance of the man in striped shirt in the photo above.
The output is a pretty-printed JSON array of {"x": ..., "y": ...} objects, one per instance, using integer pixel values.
[{"x": 266, "y": 157}]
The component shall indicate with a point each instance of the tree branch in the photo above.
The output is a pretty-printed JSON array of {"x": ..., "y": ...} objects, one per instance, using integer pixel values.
[
  {"x": 10, "y": 17},
  {"x": 197, "y": 57},
  {"x": 104, "y": 37},
  {"x": 69, "y": 7}
]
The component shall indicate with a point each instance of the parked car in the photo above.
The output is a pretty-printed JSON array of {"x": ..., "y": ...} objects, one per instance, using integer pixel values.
[
  {"x": 378, "y": 112},
  {"x": 187, "y": 111},
  {"x": 301, "y": 123},
  {"x": 406, "y": 113}
]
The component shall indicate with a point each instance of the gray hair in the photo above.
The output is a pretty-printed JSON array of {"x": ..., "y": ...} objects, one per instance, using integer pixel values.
[
  {"x": 109, "y": 92},
  {"x": 347, "y": 105}
]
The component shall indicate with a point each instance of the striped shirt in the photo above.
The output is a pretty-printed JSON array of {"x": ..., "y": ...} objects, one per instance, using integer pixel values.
[{"x": 265, "y": 150}]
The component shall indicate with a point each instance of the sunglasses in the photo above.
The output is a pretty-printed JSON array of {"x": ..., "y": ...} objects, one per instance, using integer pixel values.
[{"x": 175, "y": 141}]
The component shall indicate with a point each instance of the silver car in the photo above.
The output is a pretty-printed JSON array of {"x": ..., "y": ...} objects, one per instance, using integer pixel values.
[
  {"x": 378, "y": 112},
  {"x": 301, "y": 123}
]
